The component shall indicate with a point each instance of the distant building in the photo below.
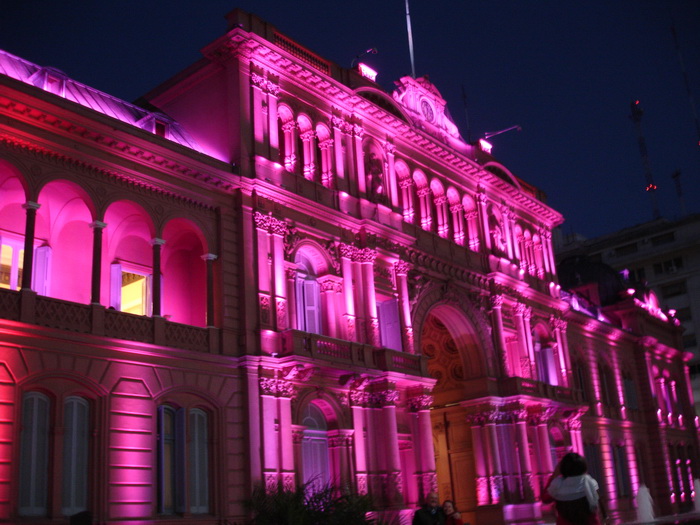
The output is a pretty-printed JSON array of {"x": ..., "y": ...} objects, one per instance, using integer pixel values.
[
  {"x": 664, "y": 254},
  {"x": 273, "y": 273}
]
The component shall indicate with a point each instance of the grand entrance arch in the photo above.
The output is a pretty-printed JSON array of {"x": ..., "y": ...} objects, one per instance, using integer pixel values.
[{"x": 456, "y": 360}]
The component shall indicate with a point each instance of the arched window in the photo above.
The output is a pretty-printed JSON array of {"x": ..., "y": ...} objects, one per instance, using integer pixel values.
[
  {"x": 308, "y": 297},
  {"x": 34, "y": 455},
  {"x": 314, "y": 448}
]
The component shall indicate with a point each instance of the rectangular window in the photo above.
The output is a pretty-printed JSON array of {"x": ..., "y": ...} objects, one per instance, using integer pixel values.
[
  {"x": 674, "y": 289},
  {"x": 663, "y": 239},
  {"x": 176, "y": 457},
  {"x": 622, "y": 475},
  {"x": 591, "y": 452},
  {"x": 630, "y": 393},
  {"x": 34, "y": 455},
  {"x": 627, "y": 249}
]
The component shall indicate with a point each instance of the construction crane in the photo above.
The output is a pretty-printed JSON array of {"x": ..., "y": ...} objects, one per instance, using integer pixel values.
[{"x": 651, "y": 188}]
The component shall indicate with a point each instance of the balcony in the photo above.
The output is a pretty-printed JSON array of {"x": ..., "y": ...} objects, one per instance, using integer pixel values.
[
  {"x": 347, "y": 353},
  {"x": 30, "y": 308}
]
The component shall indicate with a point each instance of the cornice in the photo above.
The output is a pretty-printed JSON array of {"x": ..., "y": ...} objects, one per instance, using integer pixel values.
[
  {"x": 36, "y": 116},
  {"x": 11, "y": 143}
]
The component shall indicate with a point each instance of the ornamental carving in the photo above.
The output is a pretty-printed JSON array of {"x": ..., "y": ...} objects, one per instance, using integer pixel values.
[
  {"x": 402, "y": 268},
  {"x": 420, "y": 402},
  {"x": 496, "y": 301},
  {"x": 358, "y": 398},
  {"x": 277, "y": 387}
]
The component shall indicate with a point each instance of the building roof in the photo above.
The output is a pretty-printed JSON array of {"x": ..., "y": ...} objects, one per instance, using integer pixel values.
[{"x": 56, "y": 82}]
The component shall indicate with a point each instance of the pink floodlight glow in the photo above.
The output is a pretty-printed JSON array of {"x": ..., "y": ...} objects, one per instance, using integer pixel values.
[
  {"x": 367, "y": 71},
  {"x": 630, "y": 291},
  {"x": 485, "y": 146}
]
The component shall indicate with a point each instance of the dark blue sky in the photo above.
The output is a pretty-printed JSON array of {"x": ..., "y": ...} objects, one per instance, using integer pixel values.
[{"x": 565, "y": 71}]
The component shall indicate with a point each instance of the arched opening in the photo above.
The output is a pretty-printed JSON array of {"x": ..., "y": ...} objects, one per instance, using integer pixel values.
[
  {"x": 184, "y": 273},
  {"x": 451, "y": 344}
]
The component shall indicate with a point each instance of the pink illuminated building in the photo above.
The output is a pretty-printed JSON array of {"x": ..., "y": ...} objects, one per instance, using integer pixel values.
[{"x": 273, "y": 272}]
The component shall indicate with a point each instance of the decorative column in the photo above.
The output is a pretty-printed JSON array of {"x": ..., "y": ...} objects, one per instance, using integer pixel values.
[
  {"x": 278, "y": 232},
  {"x": 421, "y": 427},
  {"x": 386, "y": 439},
  {"x": 307, "y": 139},
  {"x": 97, "y": 228},
  {"x": 480, "y": 451},
  {"x": 481, "y": 203},
  {"x": 390, "y": 151},
  {"x": 426, "y": 218},
  {"x": 559, "y": 328},
  {"x": 29, "y": 232},
  {"x": 358, "y": 400},
  {"x": 458, "y": 223},
  {"x": 366, "y": 258},
  {"x": 472, "y": 219},
  {"x": 264, "y": 260},
  {"x": 493, "y": 416},
  {"x": 347, "y": 253},
  {"x": 277, "y": 448},
  {"x": 542, "y": 447},
  {"x": 259, "y": 116},
  {"x": 523, "y": 447},
  {"x": 508, "y": 216},
  {"x": 409, "y": 213},
  {"x": 156, "y": 243},
  {"x": 498, "y": 334},
  {"x": 401, "y": 269},
  {"x": 443, "y": 222},
  {"x": 526, "y": 358},
  {"x": 339, "y": 137},
  {"x": 573, "y": 425},
  {"x": 357, "y": 134},
  {"x": 326, "y": 163},
  {"x": 290, "y": 158}
]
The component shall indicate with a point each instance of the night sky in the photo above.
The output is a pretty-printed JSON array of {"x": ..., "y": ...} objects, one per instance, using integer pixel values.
[{"x": 564, "y": 71}]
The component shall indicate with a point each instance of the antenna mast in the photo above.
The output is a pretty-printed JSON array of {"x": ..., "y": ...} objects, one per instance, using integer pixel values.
[
  {"x": 636, "y": 117},
  {"x": 410, "y": 40}
]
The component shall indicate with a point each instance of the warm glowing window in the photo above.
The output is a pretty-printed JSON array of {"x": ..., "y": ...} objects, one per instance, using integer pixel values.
[
  {"x": 178, "y": 456},
  {"x": 130, "y": 289},
  {"x": 75, "y": 455},
  {"x": 34, "y": 455},
  {"x": 11, "y": 261}
]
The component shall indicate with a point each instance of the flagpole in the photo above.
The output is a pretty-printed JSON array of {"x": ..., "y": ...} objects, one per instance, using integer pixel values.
[{"x": 410, "y": 40}]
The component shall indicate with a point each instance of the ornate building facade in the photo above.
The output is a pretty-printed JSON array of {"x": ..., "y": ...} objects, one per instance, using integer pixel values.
[{"x": 271, "y": 273}]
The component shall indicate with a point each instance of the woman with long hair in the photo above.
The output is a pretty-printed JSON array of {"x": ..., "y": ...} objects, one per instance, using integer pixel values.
[{"x": 574, "y": 492}]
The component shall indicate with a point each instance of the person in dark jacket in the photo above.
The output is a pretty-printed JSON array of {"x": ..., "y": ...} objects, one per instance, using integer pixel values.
[{"x": 431, "y": 513}]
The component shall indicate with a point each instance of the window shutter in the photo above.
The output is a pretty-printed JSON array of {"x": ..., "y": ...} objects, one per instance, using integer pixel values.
[
  {"x": 180, "y": 458},
  {"x": 199, "y": 463},
  {"x": 389, "y": 324},
  {"x": 75, "y": 456},
  {"x": 115, "y": 286},
  {"x": 42, "y": 265},
  {"x": 312, "y": 310}
]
